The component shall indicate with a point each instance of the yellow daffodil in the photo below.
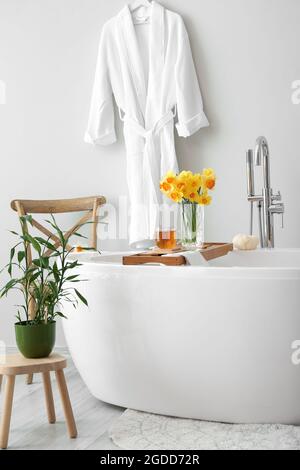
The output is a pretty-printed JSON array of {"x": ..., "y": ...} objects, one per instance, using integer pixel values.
[
  {"x": 180, "y": 185},
  {"x": 195, "y": 181},
  {"x": 209, "y": 172},
  {"x": 185, "y": 176},
  {"x": 188, "y": 183},
  {"x": 188, "y": 186},
  {"x": 170, "y": 177},
  {"x": 208, "y": 179},
  {"x": 176, "y": 196},
  {"x": 204, "y": 199},
  {"x": 165, "y": 187},
  {"x": 210, "y": 183},
  {"x": 192, "y": 196}
]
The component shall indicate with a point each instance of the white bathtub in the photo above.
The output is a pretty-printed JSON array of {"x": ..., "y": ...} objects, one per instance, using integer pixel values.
[{"x": 212, "y": 343}]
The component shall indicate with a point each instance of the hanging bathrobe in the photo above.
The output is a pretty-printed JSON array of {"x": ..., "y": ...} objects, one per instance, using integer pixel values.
[{"x": 151, "y": 81}]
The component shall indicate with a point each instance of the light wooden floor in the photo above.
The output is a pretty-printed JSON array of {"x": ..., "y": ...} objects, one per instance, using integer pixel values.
[{"x": 29, "y": 426}]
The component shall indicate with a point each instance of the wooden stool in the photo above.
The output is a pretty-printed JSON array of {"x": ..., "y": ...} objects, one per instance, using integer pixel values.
[{"x": 12, "y": 365}]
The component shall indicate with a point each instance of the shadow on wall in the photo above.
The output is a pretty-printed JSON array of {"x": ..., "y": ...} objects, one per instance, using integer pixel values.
[{"x": 187, "y": 148}]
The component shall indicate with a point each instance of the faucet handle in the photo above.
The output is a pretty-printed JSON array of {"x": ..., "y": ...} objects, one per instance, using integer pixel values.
[
  {"x": 278, "y": 209},
  {"x": 277, "y": 196}
]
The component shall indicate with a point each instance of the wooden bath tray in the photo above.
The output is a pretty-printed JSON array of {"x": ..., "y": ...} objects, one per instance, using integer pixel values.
[
  {"x": 215, "y": 250},
  {"x": 209, "y": 251}
]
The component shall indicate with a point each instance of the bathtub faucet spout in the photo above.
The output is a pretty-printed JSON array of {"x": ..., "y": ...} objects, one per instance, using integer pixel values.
[
  {"x": 268, "y": 203},
  {"x": 262, "y": 154}
]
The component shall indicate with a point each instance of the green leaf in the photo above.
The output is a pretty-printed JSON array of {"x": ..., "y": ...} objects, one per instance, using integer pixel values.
[
  {"x": 60, "y": 315},
  {"x": 72, "y": 265},
  {"x": 77, "y": 234},
  {"x": 56, "y": 272},
  {"x": 46, "y": 243},
  {"x": 30, "y": 270},
  {"x": 45, "y": 262},
  {"x": 37, "y": 262},
  {"x": 57, "y": 229},
  {"x": 21, "y": 256},
  {"x": 29, "y": 239},
  {"x": 13, "y": 232},
  {"x": 18, "y": 316},
  {"x": 9, "y": 269},
  {"x": 42, "y": 262},
  {"x": 80, "y": 296},
  {"x": 70, "y": 278},
  {"x": 12, "y": 253},
  {"x": 10, "y": 285},
  {"x": 34, "y": 277},
  {"x": 26, "y": 218},
  {"x": 53, "y": 285}
]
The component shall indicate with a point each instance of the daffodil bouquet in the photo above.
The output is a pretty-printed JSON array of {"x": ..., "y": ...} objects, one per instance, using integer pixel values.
[
  {"x": 189, "y": 187},
  {"x": 191, "y": 191}
]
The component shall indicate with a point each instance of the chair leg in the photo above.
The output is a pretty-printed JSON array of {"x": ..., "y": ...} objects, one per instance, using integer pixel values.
[
  {"x": 49, "y": 397},
  {"x": 67, "y": 407},
  {"x": 29, "y": 379},
  {"x": 7, "y": 408}
]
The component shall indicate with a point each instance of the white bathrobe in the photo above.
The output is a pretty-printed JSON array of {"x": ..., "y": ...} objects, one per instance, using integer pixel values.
[{"x": 149, "y": 95}]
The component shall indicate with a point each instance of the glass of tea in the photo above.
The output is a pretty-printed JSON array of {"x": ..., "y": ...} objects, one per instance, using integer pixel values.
[{"x": 166, "y": 239}]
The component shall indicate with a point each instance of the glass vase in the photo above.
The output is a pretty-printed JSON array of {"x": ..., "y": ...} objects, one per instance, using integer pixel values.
[{"x": 192, "y": 225}]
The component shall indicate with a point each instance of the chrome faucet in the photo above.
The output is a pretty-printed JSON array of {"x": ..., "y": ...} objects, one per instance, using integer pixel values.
[{"x": 268, "y": 203}]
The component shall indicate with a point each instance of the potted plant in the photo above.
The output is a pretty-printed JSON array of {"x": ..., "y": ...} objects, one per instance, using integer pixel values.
[{"x": 45, "y": 281}]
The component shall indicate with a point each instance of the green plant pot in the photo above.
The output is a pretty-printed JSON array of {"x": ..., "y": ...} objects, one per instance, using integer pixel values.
[{"x": 35, "y": 341}]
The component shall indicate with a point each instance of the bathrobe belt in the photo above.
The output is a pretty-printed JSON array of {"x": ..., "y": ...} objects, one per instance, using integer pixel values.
[{"x": 150, "y": 162}]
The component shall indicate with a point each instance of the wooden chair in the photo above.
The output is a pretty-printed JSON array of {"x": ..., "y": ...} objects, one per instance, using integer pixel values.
[
  {"x": 89, "y": 205},
  {"x": 60, "y": 206},
  {"x": 15, "y": 364}
]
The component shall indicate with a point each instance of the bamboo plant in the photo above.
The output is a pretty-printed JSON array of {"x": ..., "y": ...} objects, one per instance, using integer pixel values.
[{"x": 46, "y": 282}]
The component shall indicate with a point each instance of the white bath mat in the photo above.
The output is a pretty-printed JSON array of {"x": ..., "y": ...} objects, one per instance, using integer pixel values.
[{"x": 135, "y": 430}]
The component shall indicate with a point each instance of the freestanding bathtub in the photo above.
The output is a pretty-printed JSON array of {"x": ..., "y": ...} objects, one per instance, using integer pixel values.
[{"x": 211, "y": 343}]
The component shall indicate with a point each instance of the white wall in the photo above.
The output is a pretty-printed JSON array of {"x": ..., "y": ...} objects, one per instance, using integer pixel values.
[{"x": 247, "y": 56}]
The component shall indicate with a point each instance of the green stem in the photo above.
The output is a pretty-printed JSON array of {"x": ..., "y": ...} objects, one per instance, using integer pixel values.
[
  {"x": 26, "y": 287},
  {"x": 189, "y": 221},
  {"x": 194, "y": 220}
]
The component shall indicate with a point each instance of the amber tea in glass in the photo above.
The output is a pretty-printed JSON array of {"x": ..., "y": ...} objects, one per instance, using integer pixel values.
[{"x": 166, "y": 239}]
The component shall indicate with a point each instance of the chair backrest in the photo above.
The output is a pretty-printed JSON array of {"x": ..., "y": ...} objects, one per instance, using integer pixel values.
[{"x": 90, "y": 205}]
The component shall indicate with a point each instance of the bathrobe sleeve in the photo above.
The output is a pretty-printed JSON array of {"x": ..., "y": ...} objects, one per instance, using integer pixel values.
[
  {"x": 188, "y": 96},
  {"x": 101, "y": 125}
]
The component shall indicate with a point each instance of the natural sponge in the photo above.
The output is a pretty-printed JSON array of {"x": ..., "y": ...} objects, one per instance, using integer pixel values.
[{"x": 245, "y": 242}]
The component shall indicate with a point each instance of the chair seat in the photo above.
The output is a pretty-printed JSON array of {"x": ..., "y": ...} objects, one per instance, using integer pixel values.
[{"x": 16, "y": 364}]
